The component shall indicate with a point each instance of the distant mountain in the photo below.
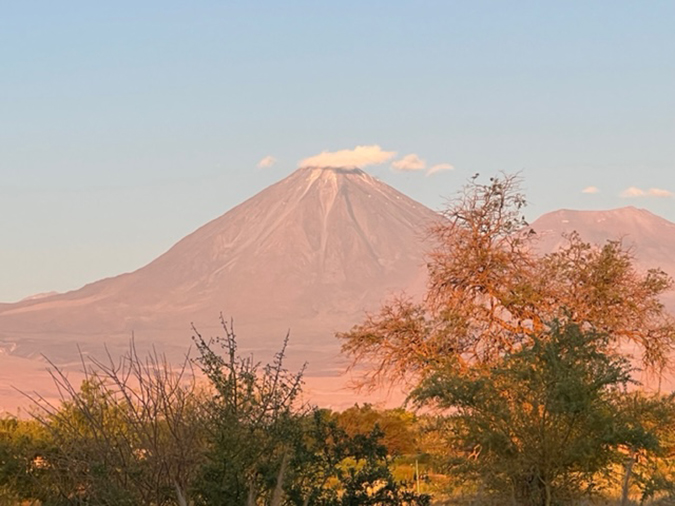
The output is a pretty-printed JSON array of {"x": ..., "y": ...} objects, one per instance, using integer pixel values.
[
  {"x": 310, "y": 253},
  {"x": 650, "y": 237}
]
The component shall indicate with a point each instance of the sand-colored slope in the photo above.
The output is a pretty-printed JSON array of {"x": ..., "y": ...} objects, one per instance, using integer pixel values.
[
  {"x": 650, "y": 238},
  {"x": 310, "y": 254}
]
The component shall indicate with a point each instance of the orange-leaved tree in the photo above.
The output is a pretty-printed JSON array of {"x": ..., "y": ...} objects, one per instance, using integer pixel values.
[{"x": 490, "y": 293}]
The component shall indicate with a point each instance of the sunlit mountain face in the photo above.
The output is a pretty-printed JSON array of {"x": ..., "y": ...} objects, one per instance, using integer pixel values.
[{"x": 307, "y": 255}]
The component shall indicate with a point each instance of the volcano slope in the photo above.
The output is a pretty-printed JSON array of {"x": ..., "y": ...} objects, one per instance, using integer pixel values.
[
  {"x": 307, "y": 255},
  {"x": 650, "y": 238}
]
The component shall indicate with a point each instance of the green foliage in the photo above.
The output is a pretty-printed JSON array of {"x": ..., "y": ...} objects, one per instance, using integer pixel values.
[
  {"x": 260, "y": 441},
  {"x": 543, "y": 423},
  {"x": 335, "y": 468},
  {"x": 397, "y": 426},
  {"x": 138, "y": 431},
  {"x": 252, "y": 423},
  {"x": 650, "y": 464},
  {"x": 24, "y": 446},
  {"x": 130, "y": 434},
  {"x": 539, "y": 406}
]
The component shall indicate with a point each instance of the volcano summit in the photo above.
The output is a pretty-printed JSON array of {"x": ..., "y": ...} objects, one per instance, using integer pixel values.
[{"x": 310, "y": 253}]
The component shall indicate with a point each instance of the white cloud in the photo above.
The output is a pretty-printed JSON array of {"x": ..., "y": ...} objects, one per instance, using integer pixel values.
[
  {"x": 409, "y": 163},
  {"x": 590, "y": 189},
  {"x": 440, "y": 167},
  {"x": 266, "y": 162},
  {"x": 658, "y": 192},
  {"x": 632, "y": 192},
  {"x": 359, "y": 157},
  {"x": 652, "y": 192}
]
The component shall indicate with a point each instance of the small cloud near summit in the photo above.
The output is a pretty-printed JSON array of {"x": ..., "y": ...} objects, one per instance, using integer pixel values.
[
  {"x": 440, "y": 167},
  {"x": 409, "y": 162},
  {"x": 359, "y": 157},
  {"x": 590, "y": 189},
  {"x": 658, "y": 192},
  {"x": 267, "y": 162},
  {"x": 363, "y": 156},
  {"x": 633, "y": 192}
]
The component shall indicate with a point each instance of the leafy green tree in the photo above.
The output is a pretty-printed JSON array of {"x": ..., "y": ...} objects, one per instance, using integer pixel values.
[
  {"x": 397, "y": 426},
  {"x": 545, "y": 421},
  {"x": 649, "y": 471},
  {"x": 334, "y": 468},
  {"x": 252, "y": 423},
  {"x": 24, "y": 447},
  {"x": 266, "y": 448},
  {"x": 488, "y": 310}
]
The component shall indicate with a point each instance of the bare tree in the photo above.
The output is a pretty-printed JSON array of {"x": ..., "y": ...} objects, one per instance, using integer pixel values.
[{"x": 131, "y": 433}]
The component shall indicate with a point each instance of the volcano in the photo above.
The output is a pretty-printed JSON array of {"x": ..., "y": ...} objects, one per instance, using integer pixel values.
[
  {"x": 308, "y": 255},
  {"x": 649, "y": 238}
]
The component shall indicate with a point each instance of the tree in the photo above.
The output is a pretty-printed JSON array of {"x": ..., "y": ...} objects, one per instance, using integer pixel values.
[
  {"x": 489, "y": 293},
  {"x": 397, "y": 426},
  {"x": 139, "y": 431},
  {"x": 252, "y": 421},
  {"x": 265, "y": 448},
  {"x": 130, "y": 434},
  {"x": 23, "y": 447},
  {"x": 332, "y": 467},
  {"x": 544, "y": 422},
  {"x": 650, "y": 471},
  {"x": 492, "y": 307}
]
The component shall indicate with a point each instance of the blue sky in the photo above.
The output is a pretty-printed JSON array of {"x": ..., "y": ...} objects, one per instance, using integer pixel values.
[{"x": 126, "y": 125}]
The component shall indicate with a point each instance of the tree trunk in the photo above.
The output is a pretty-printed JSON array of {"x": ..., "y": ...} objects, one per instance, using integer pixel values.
[
  {"x": 547, "y": 488},
  {"x": 179, "y": 494},
  {"x": 278, "y": 495},
  {"x": 545, "y": 484},
  {"x": 630, "y": 461},
  {"x": 252, "y": 495}
]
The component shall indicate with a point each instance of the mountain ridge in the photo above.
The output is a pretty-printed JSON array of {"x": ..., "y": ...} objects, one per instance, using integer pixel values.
[{"x": 650, "y": 237}]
